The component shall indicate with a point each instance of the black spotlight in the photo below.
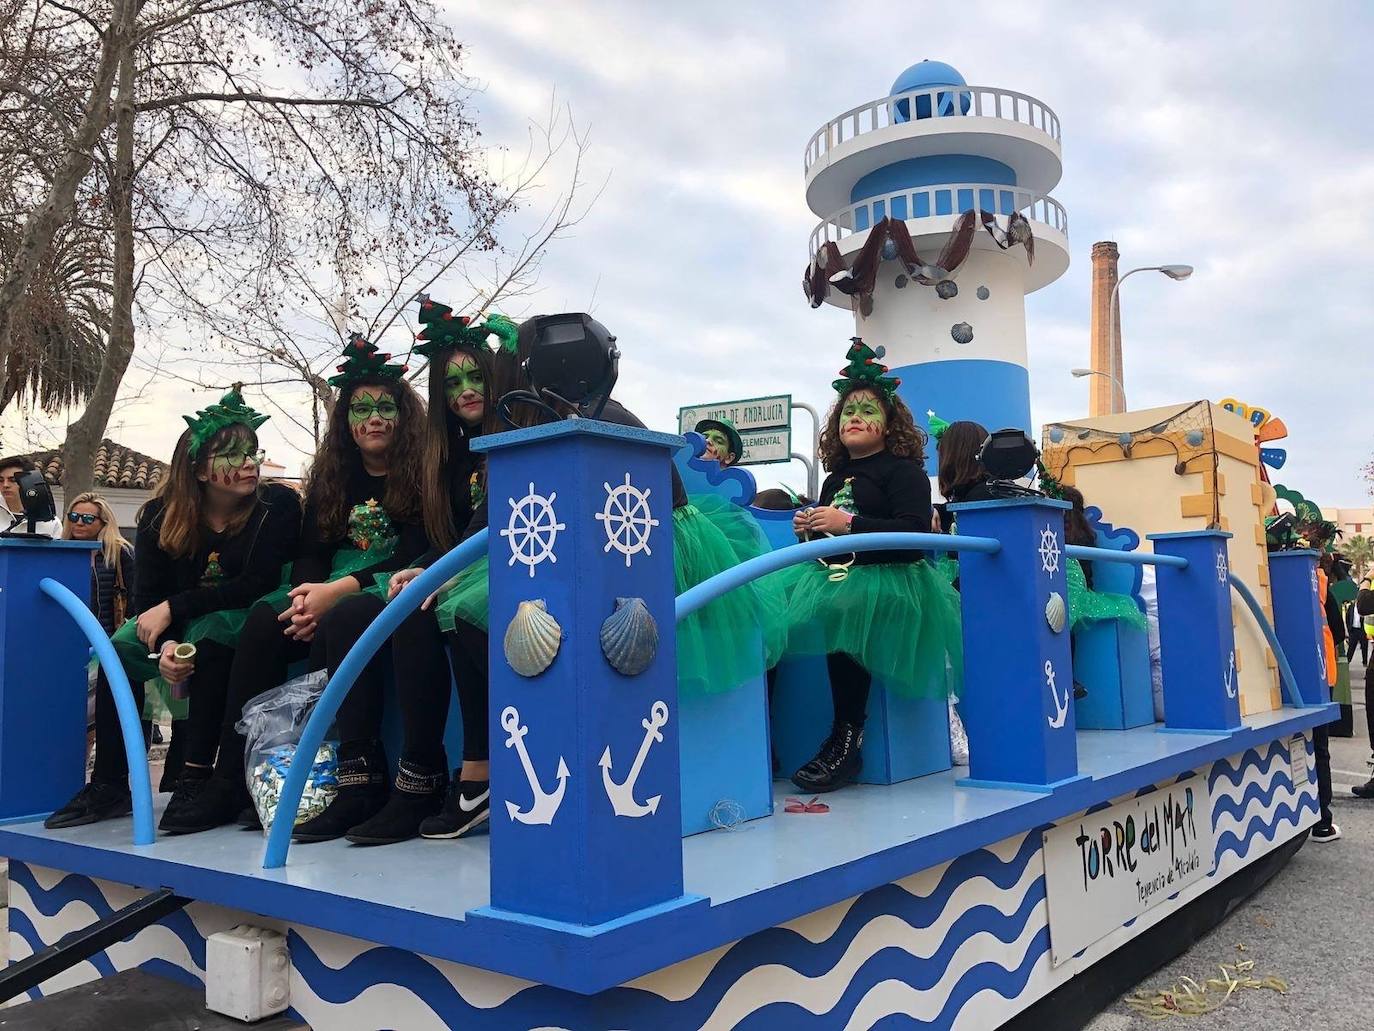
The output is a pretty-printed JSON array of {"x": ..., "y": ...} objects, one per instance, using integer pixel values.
[
  {"x": 39, "y": 507},
  {"x": 571, "y": 359},
  {"x": 1008, "y": 454}
]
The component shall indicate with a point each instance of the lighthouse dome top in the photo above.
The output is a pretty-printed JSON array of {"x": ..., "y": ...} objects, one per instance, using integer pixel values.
[{"x": 924, "y": 74}]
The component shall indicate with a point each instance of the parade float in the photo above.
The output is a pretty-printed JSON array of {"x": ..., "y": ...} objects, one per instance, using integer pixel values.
[{"x": 644, "y": 869}]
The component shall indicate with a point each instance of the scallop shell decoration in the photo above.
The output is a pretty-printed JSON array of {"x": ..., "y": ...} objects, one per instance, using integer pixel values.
[
  {"x": 532, "y": 639},
  {"x": 1056, "y": 612},
  {"x": 629, "y": 637},
  {"x": 962, "y": 332}
]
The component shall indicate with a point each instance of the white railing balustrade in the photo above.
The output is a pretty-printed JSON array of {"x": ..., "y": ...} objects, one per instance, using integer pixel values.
[
  {"x": 923, "y": 104},
  {"x": 945, "y": 200}
]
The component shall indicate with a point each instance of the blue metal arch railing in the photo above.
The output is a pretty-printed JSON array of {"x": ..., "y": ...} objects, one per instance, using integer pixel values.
[
  {"x": 279, "y": 837},
  {"x": 129, "y": 717},
  {"x": 1290, "y": 683}
]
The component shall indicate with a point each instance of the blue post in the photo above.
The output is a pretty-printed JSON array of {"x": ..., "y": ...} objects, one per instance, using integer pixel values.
[
  {"x": 1017, "y": 702},
  {"x": 1196, "y": 637},
  {"x": 43, "y": 658},
  {"x": 1298, "y": 621},
  {"x": 585, "y": 794}
]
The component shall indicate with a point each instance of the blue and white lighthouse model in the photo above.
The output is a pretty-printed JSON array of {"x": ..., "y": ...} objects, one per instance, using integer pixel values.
[{"x": 936, "y": 222}]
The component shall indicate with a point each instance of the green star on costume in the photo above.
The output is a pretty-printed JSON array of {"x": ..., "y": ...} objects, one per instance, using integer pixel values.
[
  {"x": 362, "y": 361},
  {"x": 443, "y": 329},
  {"x": 369, "y": 525},
  {"x": 230, "y": 411},
  {"x": 864, "y": 372}
]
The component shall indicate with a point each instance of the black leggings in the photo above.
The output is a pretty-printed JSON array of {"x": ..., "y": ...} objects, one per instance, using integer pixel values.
[
  {"x": 849, "y": 686},
  {"x": 199, "y": 731},
  {"x": 422, "y": 688},
  {"x": 265, "y": 652},
  {"x": 1360, "y": 641}
]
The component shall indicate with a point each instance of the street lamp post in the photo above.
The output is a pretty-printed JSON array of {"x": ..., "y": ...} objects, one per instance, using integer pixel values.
[
  {"x": 1080, "y": 373},
  {"x": 1175, "y": 272}
]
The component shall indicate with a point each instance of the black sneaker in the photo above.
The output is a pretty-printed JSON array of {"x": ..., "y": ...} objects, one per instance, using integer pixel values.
[
  {"x": 466, "y": 806},
  {"x": 97, "y": 801},
  {"x": 201, "y": 803},
  {"x": 836, "y": 764},
  {"x": 1326, "y": 832},
  {"x": 1365, "y": 790}
]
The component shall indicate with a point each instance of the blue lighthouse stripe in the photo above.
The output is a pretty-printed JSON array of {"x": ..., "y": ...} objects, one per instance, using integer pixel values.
[
  {"x": 995, "y": 394},
  {"x": 933, "y": 170}
]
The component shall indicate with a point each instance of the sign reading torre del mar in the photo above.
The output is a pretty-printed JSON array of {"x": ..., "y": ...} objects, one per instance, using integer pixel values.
[{"x": 764, "y": 425}]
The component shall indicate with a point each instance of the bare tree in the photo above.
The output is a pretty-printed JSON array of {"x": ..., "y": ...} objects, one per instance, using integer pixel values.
[{"x": 258, "y": 143}]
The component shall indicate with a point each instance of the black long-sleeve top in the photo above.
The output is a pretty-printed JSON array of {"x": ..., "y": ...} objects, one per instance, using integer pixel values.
[
  {"x": 249, "y": 562},
  {"x": 316, "y": 554},
  {"x": 890, "y": 495},
  {"x": 616, "y": 413},
  {"x": 462, "y": 464},
  {"x": 109, "y": 581}
]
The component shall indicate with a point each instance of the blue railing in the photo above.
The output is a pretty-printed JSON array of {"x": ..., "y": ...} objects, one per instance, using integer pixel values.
[
  {"x": 130, "y": 719},
  {"x": 1291, "y": 695},
  {"x": 1130, "y": 558},
  {"x": 410, "y": 599}
]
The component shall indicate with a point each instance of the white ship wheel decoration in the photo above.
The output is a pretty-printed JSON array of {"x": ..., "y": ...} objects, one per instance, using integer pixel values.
[
  {"x": 1315, "y": 589},
  {"x": 1221, "y": 568},
  {"x": 1061, "y": 707},
  {"x": 1049, "y": 550},
  {"x": 627, "y": 519},
  {"x": 1231, "y": 676},
  {"x": 532, "y": 529}
]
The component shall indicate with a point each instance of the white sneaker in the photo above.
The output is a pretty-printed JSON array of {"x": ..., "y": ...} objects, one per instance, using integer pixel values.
[{"x": 1326, "y": 832}]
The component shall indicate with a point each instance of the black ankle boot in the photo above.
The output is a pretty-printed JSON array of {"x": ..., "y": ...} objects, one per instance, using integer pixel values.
[
  {"x": 836, "y": 764},
  {"x": 201, "y": 803},
  {"x": 419, "y": 794},
  {"x": 362, "y": 793}
]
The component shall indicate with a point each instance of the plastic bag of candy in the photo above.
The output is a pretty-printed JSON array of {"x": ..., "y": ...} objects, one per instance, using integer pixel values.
[{"x": 271, "y": 726}]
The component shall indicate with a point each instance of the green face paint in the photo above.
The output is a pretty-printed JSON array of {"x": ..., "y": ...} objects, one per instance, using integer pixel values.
[
  {"x": 366, "y": 404},
  {"x": 866, "y": 408},
  {"x": 462, "y": 375},
  {"x": 718, "y": 443}
]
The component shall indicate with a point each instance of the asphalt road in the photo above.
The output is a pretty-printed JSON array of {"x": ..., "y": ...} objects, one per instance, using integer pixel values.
[{"x": 1312, "y": 925}]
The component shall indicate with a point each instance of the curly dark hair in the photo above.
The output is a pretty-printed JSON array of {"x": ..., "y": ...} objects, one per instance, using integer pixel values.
[
  {"x": 1077, "y": 529},
  {"x": 904, "y": 438},
  {"x": 326, "y": 483}
]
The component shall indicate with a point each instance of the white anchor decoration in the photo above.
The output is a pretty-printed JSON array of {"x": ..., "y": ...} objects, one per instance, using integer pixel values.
[
  {"x": 622, "y": 795},
  {"x": 1231, "y": 677},
  {"x": 1061, "y": 709},
  {"x": 546, "y": 803}
]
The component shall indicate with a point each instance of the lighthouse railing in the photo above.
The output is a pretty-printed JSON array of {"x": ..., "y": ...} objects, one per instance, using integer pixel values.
[
  {"x": 939, "y": 201},
  {"x": 936, "y": 102}
]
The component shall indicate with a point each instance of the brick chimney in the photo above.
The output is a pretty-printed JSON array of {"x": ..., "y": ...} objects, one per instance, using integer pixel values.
[{"x": 1105, "y": 257}]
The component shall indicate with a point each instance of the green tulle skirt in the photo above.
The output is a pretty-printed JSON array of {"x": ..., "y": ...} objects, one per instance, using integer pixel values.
[
  {"x": 899, "y": 620},
  {"x": 1089, "y": 606},
  {"x": 158, "y": 700},
  {"x": 347, "y": 561},
  {"x": 464, "y": 597}
]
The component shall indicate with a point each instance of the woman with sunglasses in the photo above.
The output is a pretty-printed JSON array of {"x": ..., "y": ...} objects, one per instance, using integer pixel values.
[
  {"x": 466, "y": 376},
  {"x": 90, "y": 518},
  {"x": 212, "y": 540},
  {"x": 362, "y": 523}
]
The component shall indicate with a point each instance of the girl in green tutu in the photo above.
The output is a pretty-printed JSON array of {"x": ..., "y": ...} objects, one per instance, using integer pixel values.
[
  {"x": 212, "y": 540},
  {"x": 362, "y": 522},
  {"x": 466, "y": 375},
  {"x": 1085, "y": 604},
  {"x": 884, "y": 614}
]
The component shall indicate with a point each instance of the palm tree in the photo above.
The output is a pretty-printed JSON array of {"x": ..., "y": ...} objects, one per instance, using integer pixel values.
[
  {"x": 59, "y": 328},
  {"x": 1359, "y": 550}
]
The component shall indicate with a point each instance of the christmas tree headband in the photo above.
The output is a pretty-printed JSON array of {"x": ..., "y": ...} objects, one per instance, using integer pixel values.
[
  {"x": 864, "y": 372},
  {"x": 230, "y": 411},
  {"x": 936, "y": 424},
  {"x": 443, "y": 329},
  {"x": 362, "y": 362}
]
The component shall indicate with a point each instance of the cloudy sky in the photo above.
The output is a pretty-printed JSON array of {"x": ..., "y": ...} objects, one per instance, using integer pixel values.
[{"x": 1233, "y": 137}]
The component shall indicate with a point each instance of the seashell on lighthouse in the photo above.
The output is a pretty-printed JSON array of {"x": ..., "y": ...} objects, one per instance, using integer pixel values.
[
  {"x": 962, "y": 332},
  {"x": 1056, "y": 612},
  {"x": 629, "y": 637},
  {"x": 532, "y": 639}
]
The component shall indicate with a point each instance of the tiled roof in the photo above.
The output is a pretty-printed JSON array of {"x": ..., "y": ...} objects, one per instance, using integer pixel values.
[{"x": 115, "y": 466}]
